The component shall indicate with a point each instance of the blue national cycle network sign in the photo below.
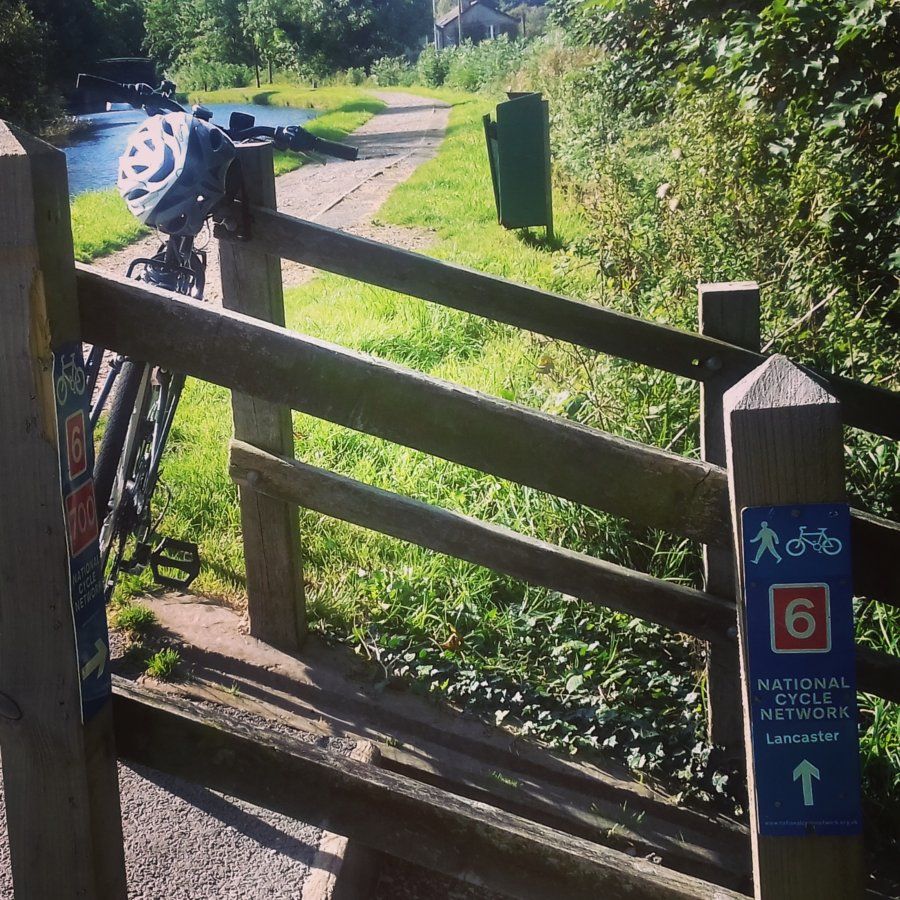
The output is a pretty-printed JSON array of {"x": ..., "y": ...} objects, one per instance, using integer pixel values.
[
  {"x": 76, "y": 465},
  {"x": 802, "y": 668}
]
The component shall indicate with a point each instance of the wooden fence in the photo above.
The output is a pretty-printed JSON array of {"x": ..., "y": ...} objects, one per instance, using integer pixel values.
[{"x": 272, "y": 370}]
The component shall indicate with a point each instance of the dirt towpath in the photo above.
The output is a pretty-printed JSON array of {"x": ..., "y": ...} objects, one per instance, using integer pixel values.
[{"x": 341, "y": 194}]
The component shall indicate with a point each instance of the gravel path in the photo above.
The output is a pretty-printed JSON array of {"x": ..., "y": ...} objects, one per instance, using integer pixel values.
[{"x": 184, "y": 842}]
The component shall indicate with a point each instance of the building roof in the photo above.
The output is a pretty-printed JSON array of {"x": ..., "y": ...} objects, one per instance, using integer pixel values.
[{"x": 451, "y": 16}]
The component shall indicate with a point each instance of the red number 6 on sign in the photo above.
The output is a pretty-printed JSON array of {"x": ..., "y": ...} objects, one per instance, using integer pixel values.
[{"x": 800, "y": 618}]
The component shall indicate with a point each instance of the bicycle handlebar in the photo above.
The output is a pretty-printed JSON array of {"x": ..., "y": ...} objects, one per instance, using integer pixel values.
[
  {"x": 139, "y": 95},
  {"x": 295, "y": 138}
]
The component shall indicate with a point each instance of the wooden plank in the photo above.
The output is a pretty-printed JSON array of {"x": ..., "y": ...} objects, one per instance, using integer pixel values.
[
  {"x": 712, "y": 849},
  {"x": 115, "y": 308},
  {"x": 648, "y": 486},
  {"x": 661, "y": 346},
  {"x": 60, "y": 781},
  {"x": 602, "y": 583},
  {"x": 251, "y": 284},
  {"x": 876, "y": 549},
  {"x": 784, "y": 442},
  {"x": 392, "y": 814},
  {"x": 501, "y": 549},
  {"x": 878, "y": 673},
  {"x": 728, "y": 311}
]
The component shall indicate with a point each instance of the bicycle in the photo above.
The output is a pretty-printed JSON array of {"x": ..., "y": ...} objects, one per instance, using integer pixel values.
[
  {"x": 193, "y": 178},
  {"x": 818, "y": 540}
]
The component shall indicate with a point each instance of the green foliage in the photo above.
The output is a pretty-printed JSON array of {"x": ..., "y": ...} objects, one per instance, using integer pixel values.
[
  {"x": 204, "y": 76},
  {"x": 694, "y": 193},
  {"x": 471, "y": 67},
  {"x": 355, "y": 75},
  {"x": 389, "y": 71},
  {"x": 309, "y": 38},
  {"x": 474, "y": 67},
  {"x": 433, "y": 66},
  {"x": 101, "y": 224},
  {"x": 23, "y": 95},
  {"x": 135, "y": 619},
  {"x": 163, "y": 664},
  {"x": 826, "y": 74}
]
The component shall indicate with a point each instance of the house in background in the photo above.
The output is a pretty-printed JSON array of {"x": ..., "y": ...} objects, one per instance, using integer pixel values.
[{"x": 480, "y": 20}]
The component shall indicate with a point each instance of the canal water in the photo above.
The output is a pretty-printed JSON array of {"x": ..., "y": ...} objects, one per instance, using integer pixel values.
[{"x": 92, "y": 152}]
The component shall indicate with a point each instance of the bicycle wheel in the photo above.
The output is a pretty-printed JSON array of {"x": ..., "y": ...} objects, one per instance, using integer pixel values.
[
  {"x": 832, "y": 546},
  {"x": 796, "y": 547},
  {"x": 121, "y": 405}
]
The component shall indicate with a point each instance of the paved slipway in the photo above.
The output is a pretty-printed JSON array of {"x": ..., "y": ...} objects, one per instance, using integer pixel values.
[{"x": 184, "y": 842}]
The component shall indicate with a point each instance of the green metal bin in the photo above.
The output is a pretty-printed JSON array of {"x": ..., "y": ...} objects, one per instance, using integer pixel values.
[{"x": 519, "y": 153}]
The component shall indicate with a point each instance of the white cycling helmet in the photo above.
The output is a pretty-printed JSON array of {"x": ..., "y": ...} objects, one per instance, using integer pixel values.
[{"x": 173, "y": 172}]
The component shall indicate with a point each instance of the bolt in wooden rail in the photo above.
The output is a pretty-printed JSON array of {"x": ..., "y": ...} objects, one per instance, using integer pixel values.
[
  {"x": 648, "y": 485},
  {"x": 661, "y": 346},
  {"x": 59, "y": 776},
  {"x": 251, "y": 284},
  {"x": 784, "y": 445},
  {"x": 728, "y": 312}
]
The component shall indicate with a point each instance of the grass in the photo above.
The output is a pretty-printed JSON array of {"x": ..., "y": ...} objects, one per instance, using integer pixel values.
[
  {"x": 102, "y": 224},
  {"x": 163, "y": 664},
  {"x": 135, "y": 620}
]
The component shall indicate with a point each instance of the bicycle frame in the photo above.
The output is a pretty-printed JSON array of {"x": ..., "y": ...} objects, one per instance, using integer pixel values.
[{"x": 177, "y": 266}]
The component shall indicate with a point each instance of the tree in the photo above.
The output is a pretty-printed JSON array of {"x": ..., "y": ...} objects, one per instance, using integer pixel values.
[{"x": 23, "y": 95}]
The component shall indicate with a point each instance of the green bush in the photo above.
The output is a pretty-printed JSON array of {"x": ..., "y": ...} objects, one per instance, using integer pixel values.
[
  {"x": 202, "y": 76},
  {"x": 433, "y": 66},
  {"x": 23, "y": 97},
  {"x": 390, "y": 70},
  {"x": 356, "y": 76},
  {"x": 474, "y": 67},
  {"x": 825, "y": 73}
]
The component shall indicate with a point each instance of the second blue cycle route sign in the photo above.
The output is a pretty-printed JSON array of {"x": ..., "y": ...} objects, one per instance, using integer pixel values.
[{"x": 802, "y": 668}]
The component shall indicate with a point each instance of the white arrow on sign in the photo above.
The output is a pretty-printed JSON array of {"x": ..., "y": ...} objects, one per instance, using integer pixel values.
[
  {"x": 97, "y": 663},
  {"x": 806, "y": 771}
]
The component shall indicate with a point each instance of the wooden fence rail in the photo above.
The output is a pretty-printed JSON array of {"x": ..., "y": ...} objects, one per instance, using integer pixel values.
[
  {"x": 537, "y": 562},
  {"x": 648, "y": 486},
  {"x": 691, "y": 355},
  {"x": 391, "y": 813},
  {"x": 501, "y": 549}
]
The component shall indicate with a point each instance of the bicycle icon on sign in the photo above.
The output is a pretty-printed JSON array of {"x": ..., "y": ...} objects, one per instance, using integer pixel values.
[
  {"x": 816, "y": 539},
  {"x": 72, "y": 379}
]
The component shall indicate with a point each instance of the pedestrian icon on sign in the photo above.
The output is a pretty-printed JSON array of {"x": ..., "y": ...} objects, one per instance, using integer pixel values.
[{"x": 767, "y": 539}]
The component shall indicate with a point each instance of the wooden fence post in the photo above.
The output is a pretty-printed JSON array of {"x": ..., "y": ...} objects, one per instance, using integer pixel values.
[
  {"x": 59, "y": 775},
  {"x": 728, "y": 311},
  {"x": 784, "y": 446},
  {"x": 251, "y": 284}
]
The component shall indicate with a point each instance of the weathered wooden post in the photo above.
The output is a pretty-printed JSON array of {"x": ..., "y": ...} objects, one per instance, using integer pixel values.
[
  {"x": 786, "y": 479},
  {"x": 728, "y": 311},
  {"x": 59, "y": 763},
  {"x": 251, "y": 284}
]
